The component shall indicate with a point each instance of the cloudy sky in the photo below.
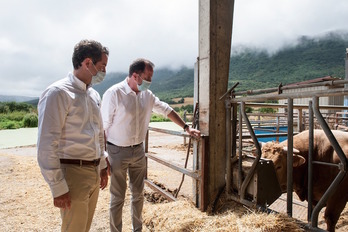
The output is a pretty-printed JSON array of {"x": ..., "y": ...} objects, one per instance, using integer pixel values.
[{"x": 37, "y": 36}]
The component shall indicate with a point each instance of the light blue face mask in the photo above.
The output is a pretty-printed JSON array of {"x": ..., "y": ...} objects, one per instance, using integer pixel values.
[{"x": 144, "y": 85}]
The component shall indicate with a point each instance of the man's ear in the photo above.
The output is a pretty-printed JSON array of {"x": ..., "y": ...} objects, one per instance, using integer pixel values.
[
  {"x": 87, "y": 62},
  {"x": 134, "y": 74}
]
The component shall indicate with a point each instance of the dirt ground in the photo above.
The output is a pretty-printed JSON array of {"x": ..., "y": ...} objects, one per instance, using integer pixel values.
[{"x": 26, "y": 202}]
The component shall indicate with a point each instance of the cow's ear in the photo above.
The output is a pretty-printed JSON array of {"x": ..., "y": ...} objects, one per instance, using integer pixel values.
[{"x": 298, "y": 160}]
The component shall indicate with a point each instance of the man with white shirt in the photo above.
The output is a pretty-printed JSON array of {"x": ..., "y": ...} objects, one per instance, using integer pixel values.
[
  {"x": 71, "y": 137},
  {"x": 126, "y": 111}
]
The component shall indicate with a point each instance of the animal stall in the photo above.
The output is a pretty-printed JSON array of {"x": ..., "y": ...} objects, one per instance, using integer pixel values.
[{"x": 252, "y": 180}]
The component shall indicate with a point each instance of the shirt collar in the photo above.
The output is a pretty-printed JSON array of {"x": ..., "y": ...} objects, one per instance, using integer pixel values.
[
  {"x": 127, "y": 88},
  {"x": 76, "y": 81}
]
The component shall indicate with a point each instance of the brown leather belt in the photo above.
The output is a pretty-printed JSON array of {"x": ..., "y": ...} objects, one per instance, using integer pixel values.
[
  {"x": 80, "y": 162},
  {"x": 125, "y": 146}
]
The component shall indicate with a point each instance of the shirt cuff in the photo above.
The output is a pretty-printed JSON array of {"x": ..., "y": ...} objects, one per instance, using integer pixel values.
[
  {"x": 103, "y": 164},
  {"x": 59, "y": 188}
]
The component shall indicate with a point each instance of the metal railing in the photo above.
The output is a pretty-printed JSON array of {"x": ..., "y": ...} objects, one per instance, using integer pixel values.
[
  {"x": 232, "y": 102},
  {"x": 196, "y": 173}
]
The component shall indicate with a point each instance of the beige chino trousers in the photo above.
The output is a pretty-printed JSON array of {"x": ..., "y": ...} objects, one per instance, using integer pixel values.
[{"x": 83, "y": 183}]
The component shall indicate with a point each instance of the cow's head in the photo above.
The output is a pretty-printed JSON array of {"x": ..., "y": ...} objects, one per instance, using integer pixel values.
[{"x": 278, "y": 154}]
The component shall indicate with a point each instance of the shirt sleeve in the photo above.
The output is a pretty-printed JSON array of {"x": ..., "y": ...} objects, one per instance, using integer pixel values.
[
  {"x": 103, "y": 164},
  {"x": 108, "y": 107},
  {"x": 53, "y": 108},
  {"x": 161, "y": 107}
]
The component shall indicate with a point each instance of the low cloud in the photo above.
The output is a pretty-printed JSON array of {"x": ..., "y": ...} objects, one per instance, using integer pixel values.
[{"x": 38, "y": 36}]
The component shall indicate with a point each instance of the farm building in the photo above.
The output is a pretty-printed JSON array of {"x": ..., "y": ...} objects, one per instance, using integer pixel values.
[{"x": 329, "y": 100}]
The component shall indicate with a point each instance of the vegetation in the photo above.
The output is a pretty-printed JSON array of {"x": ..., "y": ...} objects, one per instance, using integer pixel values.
[
  {"x": 158, "y": 118},
  {"x": 180, "y": 110},
  {"x": 254, "y": 69},
  {"x": 310, "y": 58},
  {"x": 15, "y": 115}
]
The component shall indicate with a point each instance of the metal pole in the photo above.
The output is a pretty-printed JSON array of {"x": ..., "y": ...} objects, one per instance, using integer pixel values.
[
  {"x": 228, "y": 145},
  {"x": 240, "y": 173},
  {"x": 310, "y": 159},
  {"x": 258, "y": 150},
  {"x": 277, "y": 128},
  {"x": 146, "y": 151},
  {"x": 346, "y": 78},
  {"x": 343, "y": 164},
  {"x": 290, "y": 156},
  {"x": 234, "y": 137}
]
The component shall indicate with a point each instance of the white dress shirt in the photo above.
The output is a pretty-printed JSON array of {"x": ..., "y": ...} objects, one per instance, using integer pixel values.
[
  {"x": 126, "y": 115},
  {"x": 70, "y": 127}
]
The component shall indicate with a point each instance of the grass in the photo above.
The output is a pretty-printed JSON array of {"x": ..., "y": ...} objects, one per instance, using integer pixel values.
[{"x": 17, "y": 119}]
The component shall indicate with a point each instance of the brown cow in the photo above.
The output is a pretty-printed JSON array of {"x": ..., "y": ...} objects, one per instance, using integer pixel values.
[{"x": 323, "y": 175}]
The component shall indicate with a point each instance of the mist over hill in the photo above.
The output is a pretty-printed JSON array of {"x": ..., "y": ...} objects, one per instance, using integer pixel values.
[
  {"x": 166, "y": 83},
  {"x": 308, "y": 58}
]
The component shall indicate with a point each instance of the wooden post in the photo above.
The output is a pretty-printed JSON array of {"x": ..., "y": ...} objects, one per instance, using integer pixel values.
[{"x": 215, "y": 33}]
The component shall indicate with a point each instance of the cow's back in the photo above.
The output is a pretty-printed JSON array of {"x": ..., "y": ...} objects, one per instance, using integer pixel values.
[
  {"x": 323, "y": 150},
  {"x": 323, "y": 175}
]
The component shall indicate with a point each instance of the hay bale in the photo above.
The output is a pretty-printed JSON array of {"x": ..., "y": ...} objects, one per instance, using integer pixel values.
[{"x": 184, "y": 216}]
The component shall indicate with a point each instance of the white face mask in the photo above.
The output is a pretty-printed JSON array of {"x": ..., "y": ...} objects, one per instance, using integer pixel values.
[
  {"x": 144, "y": 85},
  {"x": 97, "y": 78}
]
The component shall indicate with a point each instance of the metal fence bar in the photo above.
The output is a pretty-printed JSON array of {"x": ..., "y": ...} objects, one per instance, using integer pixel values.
[
  {"x": 164, "y": 193},
  {"x": 229, "y": 145},
  {"x": 194, "y": 174},
  {"x": 307, "y": 94},
  {"x": 296, "y": 106},
  {"x": 290, "y": 157},
  {"x": 240, "y": 153},
  {"x": 310, "y": 161},
  {"x": 172, "y": 166},
  {"x": 286, "y": 87},
  {"x": 343, "y": 167},
  {"x": 258, "y": 150},
  {"x": 171, "y": 132}
]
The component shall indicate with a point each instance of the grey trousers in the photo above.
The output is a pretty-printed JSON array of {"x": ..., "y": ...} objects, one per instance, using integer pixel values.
[{"x": 131, "y": 159}]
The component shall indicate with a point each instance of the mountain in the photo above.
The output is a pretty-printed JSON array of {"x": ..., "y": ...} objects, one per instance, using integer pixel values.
[
  {"x": 308, "y": 58},
  {"x": 4, "y": 98},
  {"x": 166, "y": 83}
]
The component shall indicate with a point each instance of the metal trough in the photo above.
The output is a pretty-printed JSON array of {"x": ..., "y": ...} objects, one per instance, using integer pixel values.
[{"x": 263, "y": 188}]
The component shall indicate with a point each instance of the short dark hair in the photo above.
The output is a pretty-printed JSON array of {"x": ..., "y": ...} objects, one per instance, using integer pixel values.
[
  {"x": 88, "y": 49},
  {"x": 139, "y": 65}
]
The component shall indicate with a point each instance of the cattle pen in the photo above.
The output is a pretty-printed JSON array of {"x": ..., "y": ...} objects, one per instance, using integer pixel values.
[
  {"x": 235, "y": 122},
  {"x": 242, "y": 183}
]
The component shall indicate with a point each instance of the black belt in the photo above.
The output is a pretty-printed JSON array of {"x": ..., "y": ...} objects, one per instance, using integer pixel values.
[
  {"x": 132, "y": 146},
  {"x": 80, "y": 162}
]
